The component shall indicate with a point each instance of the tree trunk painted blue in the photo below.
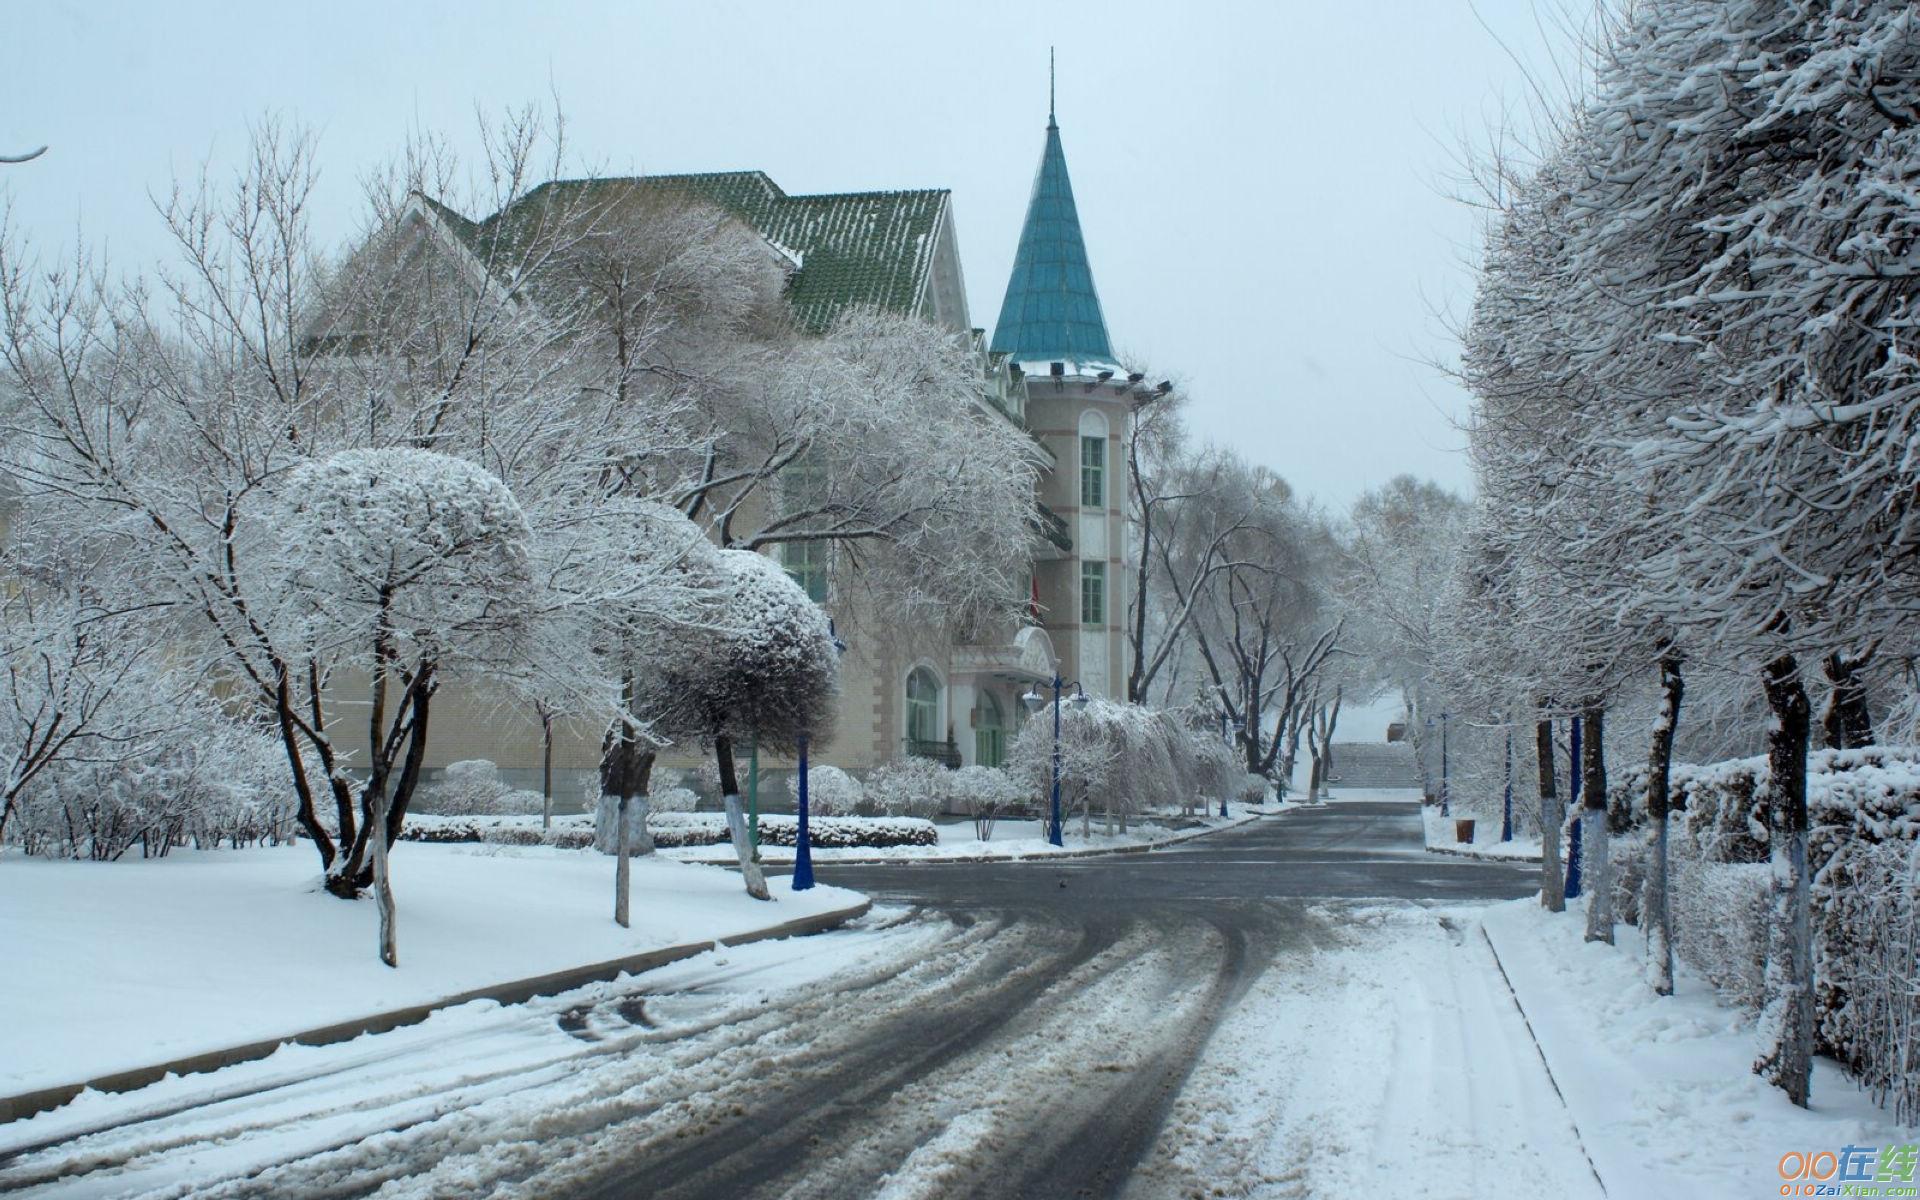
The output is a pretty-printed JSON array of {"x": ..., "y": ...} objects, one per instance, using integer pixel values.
[
  {"x": 802, "y": 847},
  {"x": 1446, "y": 801},
  {"x": 1573, "y": 833},
  {"x": 1506, "y": 809}
]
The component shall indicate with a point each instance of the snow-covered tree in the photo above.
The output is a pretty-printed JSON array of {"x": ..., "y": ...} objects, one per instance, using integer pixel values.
[{"x": 768, "y": 671}]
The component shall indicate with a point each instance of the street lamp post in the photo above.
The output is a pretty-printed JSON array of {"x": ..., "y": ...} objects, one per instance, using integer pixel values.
[
  {"x": 1033, "y": 700},
  {"x": 802, "y": 845},
  {"x": 1446, "y": 806},
  {"x": 802, "y": 842}
]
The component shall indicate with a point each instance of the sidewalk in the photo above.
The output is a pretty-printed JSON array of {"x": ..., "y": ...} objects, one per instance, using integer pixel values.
[
  {"x": 119, "y": 973},
  {"x": 1660, "y": 1088}
]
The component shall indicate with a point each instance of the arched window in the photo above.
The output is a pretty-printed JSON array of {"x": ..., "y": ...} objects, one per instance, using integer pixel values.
[
  {"x": 923, "y": 706},
  {"x": 989, "y": 731}
]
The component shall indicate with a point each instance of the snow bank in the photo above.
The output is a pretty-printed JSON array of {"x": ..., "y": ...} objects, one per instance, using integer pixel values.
[
  {"x": 1486, "y": 842},
  {"x": 1661, "y": 1088},
  {"x": 120, "y": 966}
]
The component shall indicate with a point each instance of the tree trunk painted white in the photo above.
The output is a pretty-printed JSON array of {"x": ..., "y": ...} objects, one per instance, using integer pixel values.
[
  {"x": 606, "y": 825},
  {"x": 743, "y": 850},
  {"x": 383, "y": 880},
  {"x": 1656, "y": 916},
  {"x": 622, "y": 871}
]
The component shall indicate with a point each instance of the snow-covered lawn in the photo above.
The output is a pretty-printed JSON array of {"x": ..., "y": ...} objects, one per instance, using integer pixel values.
[
  {"x": 115, "y": 966},
  {"x": 1442, "y": 834},
  {"x": 1661, "y": 1088},
  {"x": 1011, "y": 839}
]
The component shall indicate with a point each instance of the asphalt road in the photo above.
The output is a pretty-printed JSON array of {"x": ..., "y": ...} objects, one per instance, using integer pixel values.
[
  {"x": 1200, "y": 920},
  {"x": 994, "y": 1030}
]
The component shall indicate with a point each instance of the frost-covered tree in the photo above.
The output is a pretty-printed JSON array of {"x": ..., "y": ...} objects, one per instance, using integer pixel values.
[
  {"x": 1398, "y": 547},
  {"x": 768, "y": 671},
  {"x": 403, "y": 567},
  {"x": 78, "y": 684}
]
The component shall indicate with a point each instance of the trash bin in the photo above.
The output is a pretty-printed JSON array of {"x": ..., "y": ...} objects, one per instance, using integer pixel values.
[{"x": 1463, "y": 832}]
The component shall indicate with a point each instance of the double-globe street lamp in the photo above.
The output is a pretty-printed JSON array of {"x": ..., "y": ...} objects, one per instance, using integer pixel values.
[{"x": 1033, "y": 700}]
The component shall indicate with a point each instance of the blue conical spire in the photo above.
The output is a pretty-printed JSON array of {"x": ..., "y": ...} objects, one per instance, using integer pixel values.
[{"x": 1051, "y": 311}]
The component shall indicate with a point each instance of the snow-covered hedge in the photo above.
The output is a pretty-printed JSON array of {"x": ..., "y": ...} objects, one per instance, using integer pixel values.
[
  {"x": 1864, "y": 852},
  {"x": 674, "y": 829},
  {"x": 710, "y": 829},
  {"x": 831, "y": 792}
]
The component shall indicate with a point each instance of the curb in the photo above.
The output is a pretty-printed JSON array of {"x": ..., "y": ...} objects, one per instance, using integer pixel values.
[
  {"x": 1533, "y": 860},
  {"x": 1542, "y": 1052},
  {"x": 1143, "y": 848},
  {"x": 516, "y": 991}
]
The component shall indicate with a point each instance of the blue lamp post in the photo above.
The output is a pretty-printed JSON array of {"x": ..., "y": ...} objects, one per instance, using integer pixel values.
[
  {"x": 1446, "y": 800},
  {"x": 802, "y": 845},
  {"x": 802, "y": 842},
  {"x": 1033, "y": 700}
]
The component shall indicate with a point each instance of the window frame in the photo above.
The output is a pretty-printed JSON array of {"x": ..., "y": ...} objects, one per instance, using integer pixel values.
[
  {"x": 1094, "y": 572},
  {"x": 1093, "y": 475}
]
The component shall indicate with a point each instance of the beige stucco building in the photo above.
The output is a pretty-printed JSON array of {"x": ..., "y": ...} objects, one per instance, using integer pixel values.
[{"x": 1047, "y": 368}]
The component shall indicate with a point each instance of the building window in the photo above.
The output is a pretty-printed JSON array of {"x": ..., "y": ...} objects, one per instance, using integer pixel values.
[
  {"x": 923, "y": 707},
  {"x": 807, "y": 562},
  {"x": 989, "y": 731},
  {"x": 1093, "y": 472},
  {"x": 1093, "y": 593}
]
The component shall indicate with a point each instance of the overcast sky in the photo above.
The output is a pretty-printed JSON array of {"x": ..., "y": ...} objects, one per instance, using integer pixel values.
[{"x": 1263, "y": 185}]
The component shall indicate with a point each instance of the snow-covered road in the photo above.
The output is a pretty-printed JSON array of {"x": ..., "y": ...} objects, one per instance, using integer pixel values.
[{"x": 1023, "y": 1034}]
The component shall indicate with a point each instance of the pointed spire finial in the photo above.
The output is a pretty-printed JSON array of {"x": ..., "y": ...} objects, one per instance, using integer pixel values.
[{"x": 1050, "y": 122}]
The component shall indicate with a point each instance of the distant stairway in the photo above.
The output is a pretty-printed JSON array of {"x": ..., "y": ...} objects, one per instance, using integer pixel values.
[{"x": 1374, "y": 765}]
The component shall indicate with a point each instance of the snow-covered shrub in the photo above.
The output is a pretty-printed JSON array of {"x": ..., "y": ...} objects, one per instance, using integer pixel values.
[
  {"x": 1253, "y": 789},
  {"x": 1214, "y": 770},
  {"x": 225, "y": 784},
  {"x": 673, "y": 799},
  {"x": 908, "y": 787},
  {"x": 1123, "y": 758},
  {"x": 470, "y": 787},
  {"x": 831, "y": 792},
  {"x": 985, "y": 794}
]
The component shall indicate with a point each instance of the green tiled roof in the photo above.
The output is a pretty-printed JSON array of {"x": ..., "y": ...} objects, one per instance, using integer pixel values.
[
  {"x": 1051, "y": 311},
  {"x": 854, "y": 248}
]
